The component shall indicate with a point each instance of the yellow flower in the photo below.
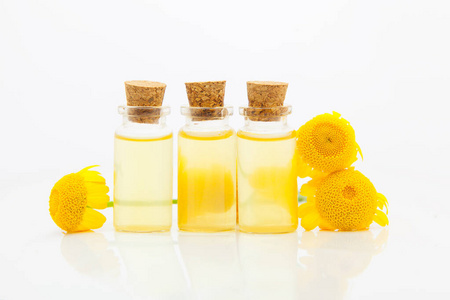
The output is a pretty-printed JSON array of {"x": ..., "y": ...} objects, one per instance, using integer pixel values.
[
  {"x": 325, "y": 144},
  {"x": 344, "y": 200},
  {"x": 74, "y": 197}
]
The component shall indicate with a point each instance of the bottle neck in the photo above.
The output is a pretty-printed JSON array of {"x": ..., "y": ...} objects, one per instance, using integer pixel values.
[
  {"x": 266, "y": 120},
  {"x": 206, "y": 119},
  {"x": 149, "y": 116},
  {"x": 274, "y": 126},
  {"x": 150, "y": 122},
  {"x": 205, "y": 124}
]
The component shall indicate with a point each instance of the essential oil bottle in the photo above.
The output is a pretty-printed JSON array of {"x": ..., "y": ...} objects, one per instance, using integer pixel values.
[
  {"x": 143, "y": 161},
  {"x": 266, "y": 167},
  {"x": 206, "y": 161}
]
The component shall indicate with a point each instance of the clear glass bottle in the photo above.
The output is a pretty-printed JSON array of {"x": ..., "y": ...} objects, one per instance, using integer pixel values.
[
  {"x": 266, "y": 171},
  {"x": 206, "y": 170},
  {"x": 143, "y": 170}
]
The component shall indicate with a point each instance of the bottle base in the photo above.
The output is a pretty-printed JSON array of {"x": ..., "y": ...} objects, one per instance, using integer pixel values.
[
  {"x": 207, "y": 229},
  {"x": 267, "y": 229},
  {"x": 142, "y": 229}
]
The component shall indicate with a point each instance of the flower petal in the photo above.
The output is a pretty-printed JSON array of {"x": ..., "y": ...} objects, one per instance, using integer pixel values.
[
  {"x": 336, "y": 114},
  {"x": 381, "y": 205},
  {"x": 310, "y": 221},
  {"x": 305, "y": 209},
  {"x": 383, "y": 198},
  {"x": 303, "y": 170},
  {"x": 94, "y": 177},
  {"x": 87, "y": 169},
  {"x": 308, "y": 189},
  {"x": 315, "y": 174},
  {"x": 92, "y": 219},
  {"x": 381, "y": 218},
  {"x": 358, "y": 149},
  {"x": 96, "y": 188},
  {"x": 98, "y": 202},
  {"x": 382, "y": 202}
]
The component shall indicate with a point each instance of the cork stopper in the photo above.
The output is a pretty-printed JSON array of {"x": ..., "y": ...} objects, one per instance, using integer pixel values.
[
  {"x": 206, "y": 94},
  {"x": 267, "y": 95},
  {"x": 144, "y": 93}
]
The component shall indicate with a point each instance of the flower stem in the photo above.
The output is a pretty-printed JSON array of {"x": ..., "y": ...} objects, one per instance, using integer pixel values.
[
  {"x": 111, "y": 203},
  {"x": 301, "y": 198}
]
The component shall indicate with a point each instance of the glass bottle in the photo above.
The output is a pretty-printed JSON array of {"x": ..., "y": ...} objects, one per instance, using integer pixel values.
[
  {"x": 143, "y": 170},
  {"x": 266, "y": 171},
  {"x": 206, "y": 170}
]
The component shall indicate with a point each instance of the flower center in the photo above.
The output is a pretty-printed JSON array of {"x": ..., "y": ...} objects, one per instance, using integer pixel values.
[
  {"x": 328, "y": 139},
  {"x": 349, "y": 192},
  {"x": 68, "y": 201},
  {"x": 346, "y": 199}
]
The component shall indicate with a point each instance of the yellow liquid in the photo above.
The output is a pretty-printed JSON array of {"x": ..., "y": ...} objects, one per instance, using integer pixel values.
[
  {"x": 143, "y": 184},
  {"x": 207, "y": 181},
  {"x": 267, "y": 181}
]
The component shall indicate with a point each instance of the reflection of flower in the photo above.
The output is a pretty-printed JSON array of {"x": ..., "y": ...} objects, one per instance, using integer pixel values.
[
  {"x": 344, "y": 200},
  {"x": 353, "y": 251},
  {"x": 89, "y": 253},
  {"x": 330, "y": 259},
  {"x": 73, "y": 198},
  {"x": 325, "y": 144}
]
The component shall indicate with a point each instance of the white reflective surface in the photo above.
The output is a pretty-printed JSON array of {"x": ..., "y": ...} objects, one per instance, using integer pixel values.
[{"x": 408, "y": 259}]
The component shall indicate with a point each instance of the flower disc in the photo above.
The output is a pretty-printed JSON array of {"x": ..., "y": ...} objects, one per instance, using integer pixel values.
[
  {"x": 347, "y": 200},
  {"x": 325, "y": 144}
]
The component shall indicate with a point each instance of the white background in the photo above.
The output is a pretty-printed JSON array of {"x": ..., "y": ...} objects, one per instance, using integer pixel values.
[{"x": 384, "y": 65}]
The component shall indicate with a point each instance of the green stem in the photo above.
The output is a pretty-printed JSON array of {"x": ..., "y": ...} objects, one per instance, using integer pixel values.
[
  {"x": 111, "y": 203},
  {"x": 301, "y": 198}
]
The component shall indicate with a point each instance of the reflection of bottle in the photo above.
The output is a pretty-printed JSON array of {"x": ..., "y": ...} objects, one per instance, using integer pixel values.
[
  {"x": 267, "y": 178},
  {"x": 206, "y": 161},
  {"x": 212, "y": 264},
  {"x": 152, "y": 267},
  {"x": 269, "y": 265},
  {"x": 333, "y": 258},
  {"x": 143, "y": 161}
]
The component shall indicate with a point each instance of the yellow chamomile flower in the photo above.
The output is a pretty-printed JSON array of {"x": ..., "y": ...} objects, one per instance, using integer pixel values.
[
  {"x": 325, "y": 144},
  {"x": 74, "y": 197},
  {"x": 343, "y": 200}
]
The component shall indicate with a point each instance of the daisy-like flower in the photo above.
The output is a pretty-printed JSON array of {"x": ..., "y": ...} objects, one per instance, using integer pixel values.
[
  {"x": 74, "y": 197},
  {"x": 325, "y": 144},
  {"x": 343, "y": 200}
]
